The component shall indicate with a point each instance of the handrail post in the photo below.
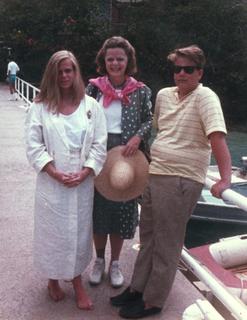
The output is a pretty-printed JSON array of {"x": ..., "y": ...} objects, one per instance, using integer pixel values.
[{"x": 27, "y": 93}]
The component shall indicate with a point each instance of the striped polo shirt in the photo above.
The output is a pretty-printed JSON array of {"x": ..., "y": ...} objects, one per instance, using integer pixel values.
[{"x": 182, "y": 147}]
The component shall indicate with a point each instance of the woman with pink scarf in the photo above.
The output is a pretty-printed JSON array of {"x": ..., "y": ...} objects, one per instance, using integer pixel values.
[{"x": 127, "y": 106}]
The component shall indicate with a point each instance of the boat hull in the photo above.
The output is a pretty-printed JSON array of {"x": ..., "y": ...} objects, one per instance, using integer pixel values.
[
  {"x": 215, "y": 218},
  {"x": 204, "y": 230}
]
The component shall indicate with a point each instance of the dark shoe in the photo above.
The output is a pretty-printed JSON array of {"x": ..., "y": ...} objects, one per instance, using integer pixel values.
[
  {"x": 137, "y": 310},
  {"x": 125, "y": 298}
]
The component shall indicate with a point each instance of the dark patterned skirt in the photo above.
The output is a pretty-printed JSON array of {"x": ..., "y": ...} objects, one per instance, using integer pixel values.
[{"x": 111, "y": 217}]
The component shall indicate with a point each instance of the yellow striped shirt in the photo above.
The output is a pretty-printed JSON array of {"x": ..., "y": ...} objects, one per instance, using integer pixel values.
[{"x": 181, "y": 146}]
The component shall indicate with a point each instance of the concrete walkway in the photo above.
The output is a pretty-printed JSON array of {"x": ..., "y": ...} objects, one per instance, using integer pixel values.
[{"x": 23, "y": 293}]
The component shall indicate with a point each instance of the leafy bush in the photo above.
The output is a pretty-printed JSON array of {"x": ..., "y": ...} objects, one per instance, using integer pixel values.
[{"x": 35, "y": 29}]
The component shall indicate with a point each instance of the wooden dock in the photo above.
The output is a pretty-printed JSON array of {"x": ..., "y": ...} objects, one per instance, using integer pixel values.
[{"x": 23, "y": 292}]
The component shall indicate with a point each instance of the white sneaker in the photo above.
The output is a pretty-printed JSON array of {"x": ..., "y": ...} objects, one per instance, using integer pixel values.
[
  {"x": 115, "y": 274},
  {"x": 98, "y": 272}
]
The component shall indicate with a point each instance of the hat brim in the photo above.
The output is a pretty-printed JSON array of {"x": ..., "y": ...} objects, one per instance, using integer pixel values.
[{"x": 140, "y": 165}]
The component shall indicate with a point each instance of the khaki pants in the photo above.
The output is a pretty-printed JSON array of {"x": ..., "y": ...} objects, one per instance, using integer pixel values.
[{"x": 168, "y": 202}]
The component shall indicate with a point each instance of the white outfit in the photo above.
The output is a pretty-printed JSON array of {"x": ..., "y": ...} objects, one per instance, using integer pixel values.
[
  {"x": 63, "y": 216},
  {"x": 113, "y": 114},
  {"x": 75, "y": 128},
  {"x": 13, "y": 68}
]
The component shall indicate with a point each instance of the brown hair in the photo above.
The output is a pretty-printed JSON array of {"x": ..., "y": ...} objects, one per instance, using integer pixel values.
[
  {"x": 117, "y": 42},
  {"x": 193, "y": 53},
  {"x": 49, "y": 89}
]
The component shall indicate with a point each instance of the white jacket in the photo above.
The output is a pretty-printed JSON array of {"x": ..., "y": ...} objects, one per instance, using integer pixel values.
[
  {"x": 63, "y": 216},
  {"x": 45, "y": 137}
]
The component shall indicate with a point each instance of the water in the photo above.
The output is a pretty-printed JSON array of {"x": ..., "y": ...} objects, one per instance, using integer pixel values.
[
  {"x": 237, "y": 143},
  {"x": 199, "y": 232}
]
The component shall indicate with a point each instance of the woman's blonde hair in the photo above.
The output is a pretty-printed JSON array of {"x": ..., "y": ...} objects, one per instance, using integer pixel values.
[{"x": 50, "y": 92}]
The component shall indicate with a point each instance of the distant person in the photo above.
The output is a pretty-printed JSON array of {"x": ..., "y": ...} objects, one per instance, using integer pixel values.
[
  {"x": 189, "y": 123},
  {"x": 12, "y": 70},
  {"x": 66, "y": 145},
  {"x": 127, "y": 106}
]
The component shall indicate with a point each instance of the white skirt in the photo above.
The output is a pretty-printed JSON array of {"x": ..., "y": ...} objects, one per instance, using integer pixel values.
[{"x": 63, "y": 225}]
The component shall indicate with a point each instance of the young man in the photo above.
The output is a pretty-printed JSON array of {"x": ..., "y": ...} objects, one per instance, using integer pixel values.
[
  {"x": 12, "y": 70},
  {"x": 190, "y": 124}
]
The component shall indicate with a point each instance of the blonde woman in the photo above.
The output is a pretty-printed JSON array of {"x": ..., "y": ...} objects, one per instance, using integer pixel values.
[{"x": 66, "y": 145}]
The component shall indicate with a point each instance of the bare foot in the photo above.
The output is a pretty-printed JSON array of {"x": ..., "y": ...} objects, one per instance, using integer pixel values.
[
  {"x": 55, "y": 291},
  {"x": 82, "y": 299}
]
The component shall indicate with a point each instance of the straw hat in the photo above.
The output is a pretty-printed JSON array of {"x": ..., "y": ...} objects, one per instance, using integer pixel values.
[{"x": 122, "y": 178}]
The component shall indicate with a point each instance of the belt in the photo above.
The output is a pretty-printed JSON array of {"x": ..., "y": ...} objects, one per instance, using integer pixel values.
[{"x": 114, "y": 134}]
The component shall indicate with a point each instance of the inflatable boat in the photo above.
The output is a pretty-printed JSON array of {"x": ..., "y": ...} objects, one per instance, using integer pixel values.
[{"x": 227, "y": 261}]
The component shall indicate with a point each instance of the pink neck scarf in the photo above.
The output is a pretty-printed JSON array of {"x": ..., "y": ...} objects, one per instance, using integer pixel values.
[{"x": 111, "y": 93}]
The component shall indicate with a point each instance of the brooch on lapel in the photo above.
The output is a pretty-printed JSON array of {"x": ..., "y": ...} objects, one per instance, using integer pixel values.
[{"x": 89, "y": 114}]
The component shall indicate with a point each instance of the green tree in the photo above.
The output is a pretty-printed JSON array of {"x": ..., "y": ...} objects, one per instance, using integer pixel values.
[
  {"x": 36, "y": 29},
  {"x": 219, "y": 27}
]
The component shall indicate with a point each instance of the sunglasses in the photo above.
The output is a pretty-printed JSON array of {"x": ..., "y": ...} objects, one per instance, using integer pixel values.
[{"x": 187, "y": 69}]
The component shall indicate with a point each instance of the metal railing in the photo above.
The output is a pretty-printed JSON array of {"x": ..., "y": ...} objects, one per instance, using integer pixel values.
[{"x": 26, "y": 90}]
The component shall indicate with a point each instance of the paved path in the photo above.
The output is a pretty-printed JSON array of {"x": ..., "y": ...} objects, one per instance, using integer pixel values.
[{"x": 23, "y": 293}]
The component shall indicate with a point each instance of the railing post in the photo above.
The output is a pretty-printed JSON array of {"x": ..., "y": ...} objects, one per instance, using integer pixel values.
[
  {"x": 27, "y": 93},
  {"x": 22, "y": 88}
]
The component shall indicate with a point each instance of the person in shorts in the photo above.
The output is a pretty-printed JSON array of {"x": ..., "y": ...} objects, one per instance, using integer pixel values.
[{"x": 12, "y": 70}]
